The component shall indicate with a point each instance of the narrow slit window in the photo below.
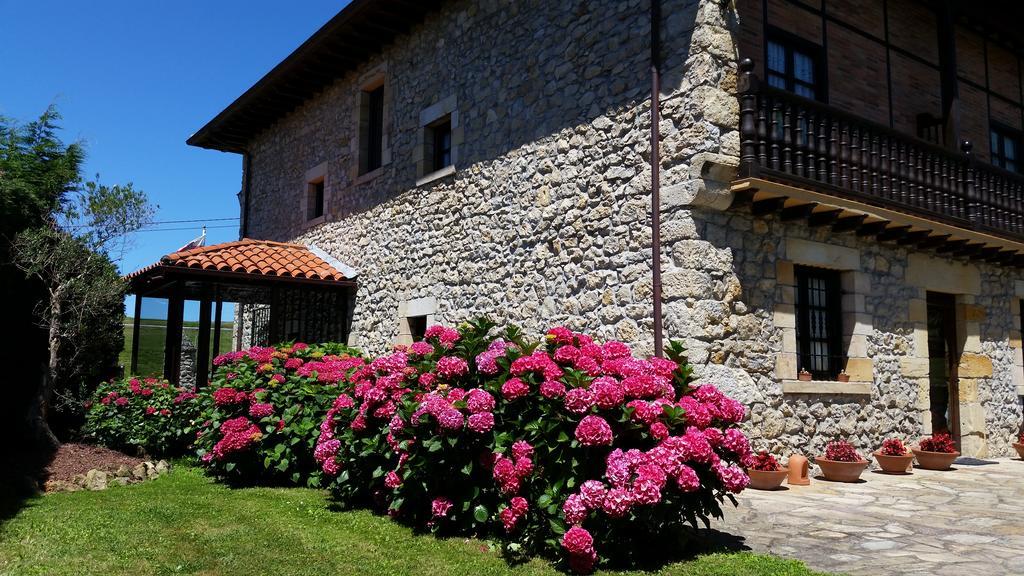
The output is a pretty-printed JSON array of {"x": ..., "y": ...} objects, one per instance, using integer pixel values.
[{"x": 1005, "y": 148}]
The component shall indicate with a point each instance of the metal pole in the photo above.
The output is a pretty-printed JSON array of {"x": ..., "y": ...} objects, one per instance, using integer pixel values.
[{"x": 656, "y": 177}]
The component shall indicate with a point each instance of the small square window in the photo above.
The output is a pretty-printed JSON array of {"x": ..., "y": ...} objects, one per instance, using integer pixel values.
[
  {"x": 315, "y": 199},
  {"x": 417, "y": 327},
  {"x": 439, "y": 139},
  {"x": 1005, "y": 147},
  {"x": 795, "y": 65},
  {"x": 819, "y": 321}
]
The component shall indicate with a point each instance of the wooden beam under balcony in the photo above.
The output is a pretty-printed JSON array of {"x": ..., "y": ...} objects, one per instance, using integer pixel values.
[
  {"x": 823, "y": 218},
  {"x": 797, "y": 212},
  {"x": 951, "y": 247},
  {"x": 913, "y": 237},
  {"x": 894, "y": 233},
  {"x": 767, "y": 206},
  {"x": 933, "y": 242},
  {"x": 872, "y": 228},
  {"x": 849, "y": 223}
]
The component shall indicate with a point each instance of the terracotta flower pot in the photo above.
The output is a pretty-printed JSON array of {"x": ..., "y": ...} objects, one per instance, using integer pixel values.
[
  {"x": 934, "y": 460},
  {"x": 767, "y": 479},
  {"x": 894, "y": 464},
  {"x": 841, "y": 471},
  {"x": 1019, "y": 447}
]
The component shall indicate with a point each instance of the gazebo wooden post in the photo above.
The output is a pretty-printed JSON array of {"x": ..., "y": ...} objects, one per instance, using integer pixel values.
[
  {"x": 172, "y": 344},
  {"x": 136, "y": 328},
  {"x": 203, "y": 343},
  {"x": 218, "y": 309}
]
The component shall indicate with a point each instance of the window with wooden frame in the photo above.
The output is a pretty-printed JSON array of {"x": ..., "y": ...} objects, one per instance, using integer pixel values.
[
  {"x": 819, "y": 331},
  {"x": 795, "y": 65},
  {"x": 1005, "y": 147}
]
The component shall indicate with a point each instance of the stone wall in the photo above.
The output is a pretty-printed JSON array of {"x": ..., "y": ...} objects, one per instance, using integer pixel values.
[
  {"x": 546, "y": 219},
  {"x": 726, "y": 294}
]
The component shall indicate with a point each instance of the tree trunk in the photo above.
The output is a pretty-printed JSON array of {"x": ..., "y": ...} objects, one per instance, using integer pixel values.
[{"x": 40, "y": 413}]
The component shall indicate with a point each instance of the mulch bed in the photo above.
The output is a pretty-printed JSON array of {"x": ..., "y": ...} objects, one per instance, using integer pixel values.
[{"x": 73, "y": 459}]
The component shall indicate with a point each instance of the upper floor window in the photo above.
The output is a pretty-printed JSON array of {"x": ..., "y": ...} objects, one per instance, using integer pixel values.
[
  {"x": 371, "y": 129},
  {"x": 315, "y": 202},
  {"x": 795, "y": 65},
  {"x": 1005, "y": 146},
  {"x": 441, "y": 143},
  {"x": 819, "y": 321}
]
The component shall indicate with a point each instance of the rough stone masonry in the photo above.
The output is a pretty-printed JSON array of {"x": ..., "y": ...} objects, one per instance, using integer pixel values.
[{"x": 545, "y": 219}]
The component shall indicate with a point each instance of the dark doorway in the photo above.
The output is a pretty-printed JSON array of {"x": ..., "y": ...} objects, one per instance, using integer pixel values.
[
  {"x": 417, "y": 327},
  {"x": 943, "y": 360}
]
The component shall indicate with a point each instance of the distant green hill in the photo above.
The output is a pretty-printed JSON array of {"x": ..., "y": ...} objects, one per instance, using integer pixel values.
[{"x": 152, "y": 334}]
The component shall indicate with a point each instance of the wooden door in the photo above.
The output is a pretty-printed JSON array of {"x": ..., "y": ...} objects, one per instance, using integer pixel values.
[{"x": 944, "y": 362}]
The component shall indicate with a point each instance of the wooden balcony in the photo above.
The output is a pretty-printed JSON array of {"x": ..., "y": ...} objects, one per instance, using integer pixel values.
[{"x": 977, "y": 210}]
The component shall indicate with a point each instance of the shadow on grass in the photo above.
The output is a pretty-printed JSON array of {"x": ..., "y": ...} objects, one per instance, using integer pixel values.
[{"x": 22, "y": 476}]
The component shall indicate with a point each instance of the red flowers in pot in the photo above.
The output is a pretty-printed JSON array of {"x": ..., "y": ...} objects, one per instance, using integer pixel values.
[
  {"x": 765, "y": 472},
  {"x": 936, "y": 453},
  {"x": 1019, "y": 446},
  {"x": 894, "y": 457},
  {"x": 841, "y": 462}
]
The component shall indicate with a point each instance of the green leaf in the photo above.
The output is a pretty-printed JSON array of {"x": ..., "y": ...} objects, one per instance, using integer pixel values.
[{"x": 481, "y": 514}]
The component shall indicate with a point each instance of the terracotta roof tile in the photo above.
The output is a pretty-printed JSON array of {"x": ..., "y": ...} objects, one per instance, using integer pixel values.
[{"x": 255, "y": 257}]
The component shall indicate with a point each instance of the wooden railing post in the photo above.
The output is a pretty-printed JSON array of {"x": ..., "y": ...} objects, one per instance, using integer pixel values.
[
  {"x": 970, "y": 193},
  {"x": 747, "y": 84}
]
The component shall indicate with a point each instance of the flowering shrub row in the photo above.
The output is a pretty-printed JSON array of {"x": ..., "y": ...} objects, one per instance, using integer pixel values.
[
  {"x": 141, "y": 415},
  {"x": 568, "y": 448},
  {"x": 262, "y": 409}
]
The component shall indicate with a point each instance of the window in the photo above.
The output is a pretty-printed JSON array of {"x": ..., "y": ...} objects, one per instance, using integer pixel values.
[
  {"x": 316, "y": 199},
  {"x": 795, "y": 65},
  {"x": 371, "y": 128},
  {"x": 417, "y": 327},
  {"x": 1005, "y": 144},
  {"x": 818, "y": 322},
  {"x": 440, "y": 140}
]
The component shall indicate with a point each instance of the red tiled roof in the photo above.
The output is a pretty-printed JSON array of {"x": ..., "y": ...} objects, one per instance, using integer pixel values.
[{"x": 250, "y": 256}]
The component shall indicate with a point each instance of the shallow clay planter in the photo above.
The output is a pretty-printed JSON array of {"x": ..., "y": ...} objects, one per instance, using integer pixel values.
[
  {"x": 894, "y": 464},
  {"x": 841, "y": 471},
  {"x": 935, "y": 460},
  {"x": 1020, "y": 449},
  {"x": 767, "y": 479}
]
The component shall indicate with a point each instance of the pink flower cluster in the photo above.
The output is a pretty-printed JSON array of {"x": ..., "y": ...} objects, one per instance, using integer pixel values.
[
  {"x": 580, "y": 546},
  {"x": 237, "y": 434},
  {"x": 510, "y": 472},
  {"x": 329, "y": 369},
  {"x": 487, "y": 361},
  {"x": 446, "y": 337}
]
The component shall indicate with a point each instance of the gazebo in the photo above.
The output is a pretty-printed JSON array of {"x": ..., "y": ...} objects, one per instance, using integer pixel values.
[{"x": 283, "y": 292}]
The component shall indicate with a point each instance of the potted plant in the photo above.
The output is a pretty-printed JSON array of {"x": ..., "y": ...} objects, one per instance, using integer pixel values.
[
  {"x": 936, "y": 453},
  {"x": 804, "y": 375},
  {"x": 894, "y": 458},
  {"x": 843, "y": 376},
  {"x": 1019, "y": 446},
  {"x": 841, "y": 462},
  {"x": 765, "y": 472}
]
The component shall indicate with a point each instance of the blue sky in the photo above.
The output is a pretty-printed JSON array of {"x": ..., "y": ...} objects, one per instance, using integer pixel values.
[{"x": 133, "y": 79}]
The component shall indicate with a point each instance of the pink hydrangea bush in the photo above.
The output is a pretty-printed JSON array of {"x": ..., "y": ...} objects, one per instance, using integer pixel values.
[
  {"x": 141, "y": 415},
  {"x": 262, "y": 409},
  {"x": 569, "y": 448}
]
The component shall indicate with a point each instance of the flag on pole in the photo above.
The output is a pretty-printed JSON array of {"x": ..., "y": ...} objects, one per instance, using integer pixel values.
[{"x": 194, "y": 243}]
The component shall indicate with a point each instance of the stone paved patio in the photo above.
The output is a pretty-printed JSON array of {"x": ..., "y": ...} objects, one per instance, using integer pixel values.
[{"x": 962, "y": 523}]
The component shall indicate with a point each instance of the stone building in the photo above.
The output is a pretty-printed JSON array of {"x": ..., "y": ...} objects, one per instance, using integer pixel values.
[{"x": 829, "y": 252}]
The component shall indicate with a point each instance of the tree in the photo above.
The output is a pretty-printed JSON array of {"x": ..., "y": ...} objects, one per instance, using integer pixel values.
[{"x": 59, "y": 231}]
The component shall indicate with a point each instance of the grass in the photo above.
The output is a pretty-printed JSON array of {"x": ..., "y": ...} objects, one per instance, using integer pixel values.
[
  {"x": 152, "y": 334},
  {"x": 183, "y": 523}
]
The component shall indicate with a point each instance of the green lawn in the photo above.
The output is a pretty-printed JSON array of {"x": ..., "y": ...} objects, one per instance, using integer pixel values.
[
  {"x": 152, "y": 334},
  {"x": 183, "y": 523}
]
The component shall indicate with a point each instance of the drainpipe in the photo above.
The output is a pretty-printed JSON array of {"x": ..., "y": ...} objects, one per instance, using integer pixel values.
[
  {"x": 246, "y": 189},
  {"x": 656, "y": 176}
]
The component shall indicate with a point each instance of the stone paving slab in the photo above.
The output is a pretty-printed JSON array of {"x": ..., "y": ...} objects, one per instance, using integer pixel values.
[{"x": 964, "y": 522}]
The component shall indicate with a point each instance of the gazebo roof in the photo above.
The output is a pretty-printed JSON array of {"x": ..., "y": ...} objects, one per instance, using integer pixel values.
[{"x": 244, "y": 261}]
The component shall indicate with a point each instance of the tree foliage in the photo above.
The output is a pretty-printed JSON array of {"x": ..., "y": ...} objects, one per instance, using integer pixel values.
[{"x": 57, "y": 232}]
